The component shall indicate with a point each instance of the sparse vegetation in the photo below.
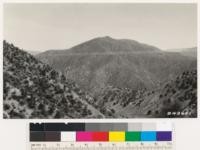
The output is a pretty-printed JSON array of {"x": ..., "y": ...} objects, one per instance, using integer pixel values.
[{"x": 34, "y": 90}]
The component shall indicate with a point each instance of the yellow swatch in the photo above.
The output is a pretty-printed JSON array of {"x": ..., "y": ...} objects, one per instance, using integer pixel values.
[{"x": 117, "y": 136}]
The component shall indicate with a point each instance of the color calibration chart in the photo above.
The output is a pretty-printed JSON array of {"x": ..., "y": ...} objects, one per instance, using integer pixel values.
[{"x": 101, "y": 136}]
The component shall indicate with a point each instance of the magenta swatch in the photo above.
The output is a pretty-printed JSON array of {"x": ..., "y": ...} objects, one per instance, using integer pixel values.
[{"x": 83, "y": 136}]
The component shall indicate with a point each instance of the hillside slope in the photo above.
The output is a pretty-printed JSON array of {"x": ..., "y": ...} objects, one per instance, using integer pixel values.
[
  {"x": 191, "y": 52},
  {"x": 176, "y": 98},
  {"x": 35, "y": 90},
  {"x": 104, "y": 62}
]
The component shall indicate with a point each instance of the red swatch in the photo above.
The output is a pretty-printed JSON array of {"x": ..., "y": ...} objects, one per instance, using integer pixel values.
[{"x": 100, "y": 136}]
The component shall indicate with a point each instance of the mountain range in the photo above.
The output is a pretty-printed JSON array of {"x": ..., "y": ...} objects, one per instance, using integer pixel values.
[
  {"x": 105, "y": 77},
  {"x": 121, "y": 63}
]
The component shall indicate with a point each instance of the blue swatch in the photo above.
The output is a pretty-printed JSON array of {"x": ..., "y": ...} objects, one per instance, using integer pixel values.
[{"x": 148, "y": 136}]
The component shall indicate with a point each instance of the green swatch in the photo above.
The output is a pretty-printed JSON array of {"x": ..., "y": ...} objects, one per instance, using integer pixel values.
[{"x": 133, "y": 136}]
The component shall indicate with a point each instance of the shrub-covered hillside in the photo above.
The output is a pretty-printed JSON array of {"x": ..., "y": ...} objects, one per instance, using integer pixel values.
[
  {"x": 34, "y": 90},
  {"x": 180, "y": 95},
  {"x": 175, "y": 98}
]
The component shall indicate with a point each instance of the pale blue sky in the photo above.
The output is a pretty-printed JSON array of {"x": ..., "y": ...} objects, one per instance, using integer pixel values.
[{"x": 39, "y": 27}]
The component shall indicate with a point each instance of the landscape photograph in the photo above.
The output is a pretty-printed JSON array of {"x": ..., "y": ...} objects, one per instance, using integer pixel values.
[{"x": 99, "y": 60}]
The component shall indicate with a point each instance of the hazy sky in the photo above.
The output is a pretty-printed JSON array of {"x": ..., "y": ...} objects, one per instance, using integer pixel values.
[{"x": 40, "y": 27}]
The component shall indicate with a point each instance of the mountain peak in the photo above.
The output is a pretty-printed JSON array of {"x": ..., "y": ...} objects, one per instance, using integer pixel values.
[
  {"x": 107, "y": 37},
  {"x": 110, "y": 45}
]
